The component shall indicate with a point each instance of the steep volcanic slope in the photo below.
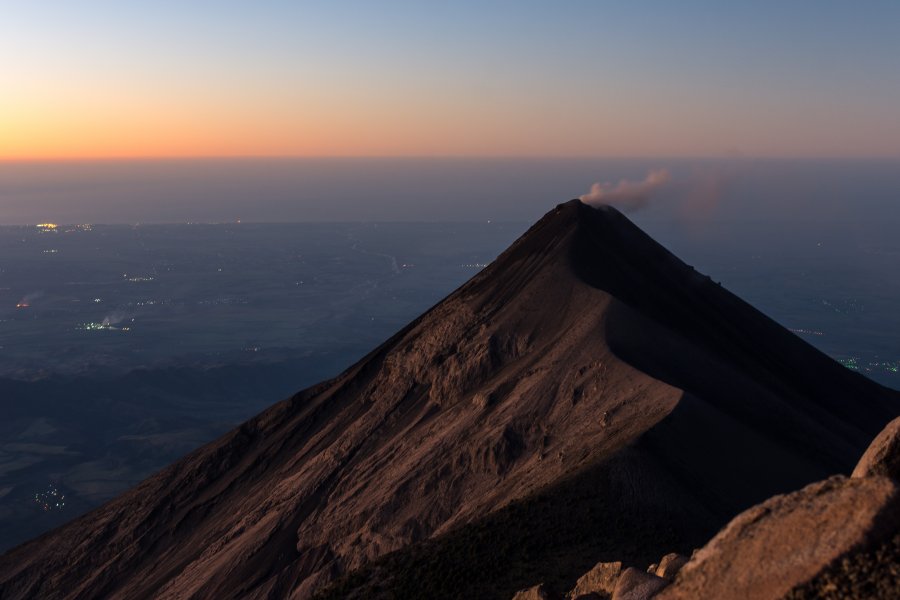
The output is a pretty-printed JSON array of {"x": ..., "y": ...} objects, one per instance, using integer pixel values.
[{"x": 585, "y": 355}]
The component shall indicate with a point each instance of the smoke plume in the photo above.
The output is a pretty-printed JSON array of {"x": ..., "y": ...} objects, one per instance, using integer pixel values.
[
  {"x": 27, "y": 299},
  {"x": 627, "y": 195},
  {"x": 114, "y": 319}
]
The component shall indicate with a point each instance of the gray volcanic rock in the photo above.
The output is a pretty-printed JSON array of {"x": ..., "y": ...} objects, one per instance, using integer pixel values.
[
  {"x": 883, "y": 455},
  {"x": 587, "y": 380}
]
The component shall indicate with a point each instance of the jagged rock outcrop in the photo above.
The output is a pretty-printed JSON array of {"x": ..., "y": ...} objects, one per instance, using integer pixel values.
[
  {"x": 587, "y": 394},
  {"x": 773, "y": 547},
  {"x": 823, "y": 532},
  {"x": 607, "y": 579},
  {"x": 600, "y": 580},
  {"x": 670, "y": 565},
  {"x": 883, "y": 455},
  {"x": 838, "y": 538}
]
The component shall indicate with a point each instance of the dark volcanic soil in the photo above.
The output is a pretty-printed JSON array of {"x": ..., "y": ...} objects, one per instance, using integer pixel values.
[{"x": 586, "y": 391}]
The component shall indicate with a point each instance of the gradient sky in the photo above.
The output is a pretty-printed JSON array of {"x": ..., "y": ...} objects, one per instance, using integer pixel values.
[{"x": 579, "y": 78}]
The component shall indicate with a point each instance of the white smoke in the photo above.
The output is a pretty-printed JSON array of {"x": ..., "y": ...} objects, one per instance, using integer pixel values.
[
  {"x": 27, "y": 299},
  {"x": 114, "y": 319},
  {"x": 627, "y": 195}
]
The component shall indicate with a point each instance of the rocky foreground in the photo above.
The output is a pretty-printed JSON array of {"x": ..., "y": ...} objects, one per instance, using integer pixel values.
[{"x": 833, "y": 539}]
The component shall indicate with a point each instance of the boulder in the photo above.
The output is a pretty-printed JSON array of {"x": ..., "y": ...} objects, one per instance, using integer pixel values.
[
  {"x": 601, "y": 580},
  {"x": 883, "y": 454},
  {"x": 787, "y": 540},
  {"x": 669, "y": 565},
  {"x": 634, "y": 584}
]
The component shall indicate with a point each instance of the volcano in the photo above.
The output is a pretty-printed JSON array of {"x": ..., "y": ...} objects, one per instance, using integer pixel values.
[{"x": 585, "y": 397}]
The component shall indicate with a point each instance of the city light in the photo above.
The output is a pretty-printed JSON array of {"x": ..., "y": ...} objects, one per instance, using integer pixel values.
[
  {"x": 101, "y": 327},
  {"x": 50, "y": 499}
]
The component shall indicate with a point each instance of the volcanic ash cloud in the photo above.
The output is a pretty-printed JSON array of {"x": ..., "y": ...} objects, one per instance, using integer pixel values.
[{"x": 627, "y": 195}]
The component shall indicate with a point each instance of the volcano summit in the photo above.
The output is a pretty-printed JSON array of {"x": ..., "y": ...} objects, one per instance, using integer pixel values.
[{"x": 586, "y": 397}]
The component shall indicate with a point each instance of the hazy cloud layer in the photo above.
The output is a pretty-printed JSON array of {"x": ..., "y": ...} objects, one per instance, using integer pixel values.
[{"x": 627, "y": 195}]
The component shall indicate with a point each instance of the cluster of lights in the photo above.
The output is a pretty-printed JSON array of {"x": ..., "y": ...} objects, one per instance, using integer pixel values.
[
  {"x": 854, "y": 364},
  {"x": 76, "y": 228},
  {"x": 848, "y": 306},
  {"x": 149, "y": 302},
  {"x": 220, "y": 301},
  {"x": 54, "y": 227},
  {"x": 102, "y": 327},
  {"x": 51, "y": 499},
  {"x": 808, "y": 331}
]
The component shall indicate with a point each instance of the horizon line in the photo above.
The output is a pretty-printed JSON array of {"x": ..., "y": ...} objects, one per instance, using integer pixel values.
[
  {"x": 263, "y": 157},
  {"x": 292, "y": 222}
]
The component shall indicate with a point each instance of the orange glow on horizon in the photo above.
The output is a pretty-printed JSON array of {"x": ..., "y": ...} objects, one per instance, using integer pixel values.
[
  {"x": 136, "y": 125},
  {"x": 162, "y": 80}
]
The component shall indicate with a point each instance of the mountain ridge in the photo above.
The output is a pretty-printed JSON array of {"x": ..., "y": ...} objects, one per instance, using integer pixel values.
[{"x": 584, "y": 346}]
